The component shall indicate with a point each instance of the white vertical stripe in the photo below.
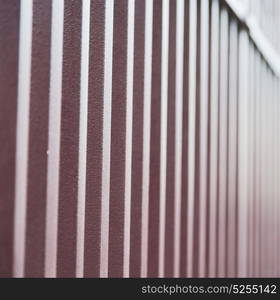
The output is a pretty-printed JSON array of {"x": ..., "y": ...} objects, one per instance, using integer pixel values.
[
  {"x": 276, "y": 149},
  {"x": 278, "y": 177},
  {"x": 274, "y": 165},
  {"x": 180, "y": 14},
  {"x": 258, "y": 162},
  {"x": 213, "y": 135},
  {"x": 146, "y": 135},
  {"x": 268, "y": 177},
  {"x": 83, "y": 137},
  {"x": 251, "y": 158},
  {"x": 163, "y": 133},
  {"x": 271, "y": 167},
  {"x": 243, "y": 154},
  {"x": 54, "y": 138},
  {"x": 262, "y": 164},
  {"x": 232, "y": 141},
  {"x": 22, "y": 134},
  {"x": 203, "y": 133},
  {"x": 128, "y": 147},
  {"x": 191, "y": 141},
  {"x": 277, "y": 174},
  {"x": 105, "y": 193},
  {"x": 223, "y": 100}
]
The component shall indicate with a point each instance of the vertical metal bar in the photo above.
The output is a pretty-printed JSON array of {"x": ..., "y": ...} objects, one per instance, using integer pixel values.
[
  {"x": 275, "y": 183},
  {"x": 243, "y": 154},
  {"x": 223, "y": 111},
  {"x": 128, "y": 147},
  {"x": 232, "y": 140},
  {"x": 163, "y": 132},
  {"x": 270, "y": 173},
  {"x": 108, "y": 57},
  {"x": 213, "y": 172},
  {"x": 261, "y": 180},
  {"x": 251, "y": 157},
  {"x": 258, "y": 161},
  {"x": 83, "y": 137},
  {"x": 180, "y": 14},
  {"x": 203, "y": 134},
  {"x": 22, "y": 134},
  {"x": 278, "y": 173},
  {"x": 192, "y": 122},
  {"x": 257, "y": 164},
  {"x": 146, "y": 136},
  {"x": 54, "y": 138}
]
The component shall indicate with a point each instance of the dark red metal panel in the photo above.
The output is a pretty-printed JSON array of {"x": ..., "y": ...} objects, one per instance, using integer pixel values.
[
  {"x": 153, "y": 235},
  {"x": 170, "y": 172},
  {"x": 9, "y": 40},
  {"x": 118, "y": 136},
  {"x": 155, "y": 169},
  {"x": 137, "y": 140},
  {"x": 38, "y": 140},
  {"x": 69, "y": 141},
  {"x": 184, "y": 188},
  {"x": 94, "y": 145}
]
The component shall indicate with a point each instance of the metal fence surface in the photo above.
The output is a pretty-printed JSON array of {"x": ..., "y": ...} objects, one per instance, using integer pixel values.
[{"x": 139, "y": 138}]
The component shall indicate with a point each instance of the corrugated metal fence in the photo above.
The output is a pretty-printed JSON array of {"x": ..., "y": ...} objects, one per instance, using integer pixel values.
[{"x": 138, "y": 138}]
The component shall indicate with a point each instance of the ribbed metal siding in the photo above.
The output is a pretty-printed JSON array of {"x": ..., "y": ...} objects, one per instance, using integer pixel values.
[{"x": 139, "y": 138}]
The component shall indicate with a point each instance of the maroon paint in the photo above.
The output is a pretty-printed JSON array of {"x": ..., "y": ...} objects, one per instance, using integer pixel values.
[
  {"x": 69, "y": 144},
  {"x": 184, "y": 188},
  {"x": 207, "y": 245},
  {"x": 170, "y": 167},
  {"x": 137, "y": 140},
  {"x": 9, "y": 37},
  {"x": 38, "y": 139},
  {"x": 197, "y": 149},
  {"x": 237, "y": 171},
  {"x": 118, "y": 136},
  {"x": 153, "y": 236},
  {"x": 94, "y": 141}
]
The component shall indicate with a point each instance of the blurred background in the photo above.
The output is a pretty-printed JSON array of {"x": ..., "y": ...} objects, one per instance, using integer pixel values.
[{"x": 139, "y": 138}]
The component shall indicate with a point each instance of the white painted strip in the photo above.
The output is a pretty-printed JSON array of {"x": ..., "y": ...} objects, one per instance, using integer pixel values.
[
  {"x": 83, "y": 137},
  {"x": 215, "y": 28},
  {"x": 258, "y": 161},
  {"x": 22, "y": 135},
  {"x": 128, "y": 147},
  {"x": 277, "y": 167},
  {"x": 180, "y": 14},
  {"x": 232, "y": 148},
  {"x": 204, "y": 36},
  {"x": 106, "y": 159},
  {"x": 268, "y": 177},
  {"x": 275, "y": 180},
  {"x": 251, "y": 157},
  {"x": 278, "y": 176},
  {"x": 243, "y": 154},
  {"x": 146, "y": 135},
  {"x": 223, "y": 100},
  {"x": 163, "y": 132},
  {"x": 262, "y": 164},
  {"x": 54, "y": 138},
  {"x": 192, "y": 129}
]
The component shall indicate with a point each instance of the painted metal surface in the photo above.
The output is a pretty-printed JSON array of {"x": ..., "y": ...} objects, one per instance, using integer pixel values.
[{"x": 139, "y": 138}]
